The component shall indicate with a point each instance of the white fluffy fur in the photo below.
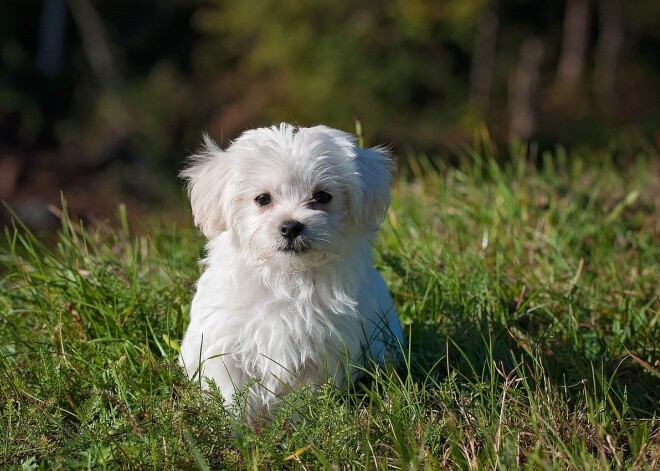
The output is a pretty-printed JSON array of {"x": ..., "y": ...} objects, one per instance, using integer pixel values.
[{"x": 274, "y": 319}]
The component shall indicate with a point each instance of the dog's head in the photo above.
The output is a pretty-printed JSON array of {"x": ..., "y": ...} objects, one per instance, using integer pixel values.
[{"x": 292, "y": 196}]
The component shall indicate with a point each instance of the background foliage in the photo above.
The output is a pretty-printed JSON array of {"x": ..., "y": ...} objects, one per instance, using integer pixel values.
[
  {"x": 233, "y": 64},
  {"x": 123, "y": 89}
]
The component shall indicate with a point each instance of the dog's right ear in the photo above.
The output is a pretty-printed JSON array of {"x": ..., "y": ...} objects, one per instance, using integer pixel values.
[{"x": 207, "y": 177}]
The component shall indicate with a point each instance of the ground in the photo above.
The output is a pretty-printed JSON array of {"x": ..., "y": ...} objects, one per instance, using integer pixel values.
[{"x": 527, "y": 285}]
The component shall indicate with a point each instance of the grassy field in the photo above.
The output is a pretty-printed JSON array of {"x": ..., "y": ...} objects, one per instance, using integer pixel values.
[{"x": 529, "y": 292}]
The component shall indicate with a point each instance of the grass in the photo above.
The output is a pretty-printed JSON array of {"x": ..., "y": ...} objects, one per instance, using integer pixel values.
[{"x": 529, "y": 291}]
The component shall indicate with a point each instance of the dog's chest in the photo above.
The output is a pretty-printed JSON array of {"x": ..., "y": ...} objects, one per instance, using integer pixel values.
[{"x": 295, "y": 331}]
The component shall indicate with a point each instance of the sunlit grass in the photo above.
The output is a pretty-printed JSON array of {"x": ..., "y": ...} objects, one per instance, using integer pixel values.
[{"x": 529, "y": 292}]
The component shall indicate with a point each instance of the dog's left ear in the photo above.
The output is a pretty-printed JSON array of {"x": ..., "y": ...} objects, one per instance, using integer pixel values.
[{"x": 374, "y": 171}]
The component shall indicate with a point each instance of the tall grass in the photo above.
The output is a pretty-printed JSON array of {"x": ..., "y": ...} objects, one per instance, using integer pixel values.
[{"x": 529, "y": 291}]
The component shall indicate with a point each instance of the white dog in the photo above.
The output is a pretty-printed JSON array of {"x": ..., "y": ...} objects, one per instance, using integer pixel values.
[{"x": 289, "y": 296}]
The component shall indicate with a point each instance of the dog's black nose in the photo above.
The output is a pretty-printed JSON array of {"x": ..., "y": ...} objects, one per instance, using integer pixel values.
[{"x": 291, "y": 229}]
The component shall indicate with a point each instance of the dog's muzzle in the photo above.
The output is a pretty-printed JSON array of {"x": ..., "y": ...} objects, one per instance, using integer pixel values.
[{"x": 292, "y": 237}]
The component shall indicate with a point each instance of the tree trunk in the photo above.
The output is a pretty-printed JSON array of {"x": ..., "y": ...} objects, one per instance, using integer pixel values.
[
  {"x": 94, "y": 42},
  {"x": 483, "y": 60},
  {"x": 574, "y": 43},
  {"x": 51, "y": 38},
  {"x": 523, "y": 90},
  {"x": 608, "y": 50}
]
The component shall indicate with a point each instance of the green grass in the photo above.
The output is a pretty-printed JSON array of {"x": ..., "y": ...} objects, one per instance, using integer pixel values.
[{"x": 529, "y": 291}]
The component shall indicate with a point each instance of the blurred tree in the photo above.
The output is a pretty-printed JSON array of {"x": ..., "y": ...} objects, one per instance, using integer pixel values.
[
  {"x": 483, "y": 59},
  {"x": 574, "y": 44},
  {"x": 414, "y": 70},
  {"x": 524, "y": 89},
  {"x": 94, "y": 42},
  {"x": 139, "y": 80},
  {"x": 608, "y": 50},
  {"x": 95, "y": 100},
  {"x": 51, "y": 38},
  {"x": 391, "y": 63}
]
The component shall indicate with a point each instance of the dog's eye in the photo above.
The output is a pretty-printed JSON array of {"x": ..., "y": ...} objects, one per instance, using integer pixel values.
[
  {"x": 263, "y": 200},
  {"x": 322, "y": 197}
]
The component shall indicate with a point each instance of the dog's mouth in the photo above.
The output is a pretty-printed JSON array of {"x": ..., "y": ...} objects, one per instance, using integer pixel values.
[
  {"x": 293, "y": 250},
  {"x": 297, "y": 246}
]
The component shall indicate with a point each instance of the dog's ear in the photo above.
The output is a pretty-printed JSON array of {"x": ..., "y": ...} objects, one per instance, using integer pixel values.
[
  {"x": 207, "y": 177},
  {"x": 374, "y": 169},
  {"x": 370, "y": 197}
]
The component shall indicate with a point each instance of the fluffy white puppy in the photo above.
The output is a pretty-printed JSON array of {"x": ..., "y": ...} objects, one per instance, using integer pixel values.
[{"x": 289, "y": 296}]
